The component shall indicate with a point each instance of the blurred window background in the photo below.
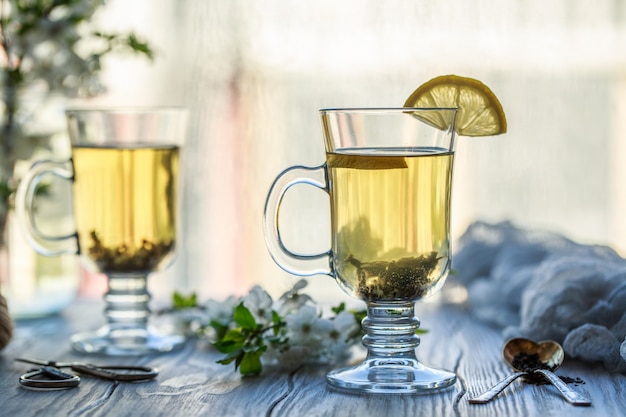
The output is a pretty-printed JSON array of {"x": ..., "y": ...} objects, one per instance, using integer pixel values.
[{"x": 254, "y": 73}]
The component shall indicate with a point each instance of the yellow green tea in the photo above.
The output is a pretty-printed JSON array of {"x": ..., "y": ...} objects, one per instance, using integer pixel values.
[
  {"x": 390, "y": 221},
  {"x": 124, "y": 205}
]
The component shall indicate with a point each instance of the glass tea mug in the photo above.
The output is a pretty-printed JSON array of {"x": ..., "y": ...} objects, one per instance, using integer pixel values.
[
  {"x": 388, "y": 173},
  {"x": 124, "y": 172}
]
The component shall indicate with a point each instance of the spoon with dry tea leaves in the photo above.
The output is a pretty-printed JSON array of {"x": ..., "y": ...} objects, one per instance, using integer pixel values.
[{"x": 532, "y": 359}]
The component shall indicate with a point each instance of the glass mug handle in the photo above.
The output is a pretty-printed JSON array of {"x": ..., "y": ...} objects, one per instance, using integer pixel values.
[
  {"x": 296, "y": 264},
  {"x": 24, "y": 209}
]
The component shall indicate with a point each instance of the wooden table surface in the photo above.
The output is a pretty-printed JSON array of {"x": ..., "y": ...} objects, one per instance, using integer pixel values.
[{"x": 190, "y": 383}]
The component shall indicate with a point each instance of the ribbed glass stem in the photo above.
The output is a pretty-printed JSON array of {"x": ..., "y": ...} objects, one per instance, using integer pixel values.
[
  {"x": 390, "y": 331},
  {"x": 127, "y": 304}
]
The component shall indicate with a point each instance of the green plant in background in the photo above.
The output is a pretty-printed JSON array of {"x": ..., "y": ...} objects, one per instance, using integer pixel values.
[{"x": 47, "y": 48}]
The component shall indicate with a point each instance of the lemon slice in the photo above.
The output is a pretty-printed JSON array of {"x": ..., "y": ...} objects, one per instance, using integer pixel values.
[
  {"x": 338, "y": 160},
  {"x": 480, "y": 112}
]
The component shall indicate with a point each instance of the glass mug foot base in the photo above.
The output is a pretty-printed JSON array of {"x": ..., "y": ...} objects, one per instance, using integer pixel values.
[
  {"x": 125, "y": 343},
  {"x": 393, "y": 376}
]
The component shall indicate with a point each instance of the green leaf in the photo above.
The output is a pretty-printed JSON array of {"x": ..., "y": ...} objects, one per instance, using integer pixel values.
[
  {"x": 220, "y": 329},
  {"x": 341, "y": 307},
  {"x": 233, "y": 340},
  {"x": 180, "y": 302},
  {"x": 234, "y": 335},
  {"x": 278, "y": 322},
  {"x": 359, "y": 315},
  {"x": 251, "y": 363},
  {"x": 5, "y": 190},
  {"x": 276, "y": 318},
  {"x": 140, "y": 46},
  {"x": 228, "y": 359},
  {"x": 228, "y": 346},
  {"x": 244, "y": 318}
]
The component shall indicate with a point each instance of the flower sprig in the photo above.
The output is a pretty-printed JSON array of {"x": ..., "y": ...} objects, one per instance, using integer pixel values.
[
  {"x": 245, "y": 344},
  {"x": 254, "y": 330}
]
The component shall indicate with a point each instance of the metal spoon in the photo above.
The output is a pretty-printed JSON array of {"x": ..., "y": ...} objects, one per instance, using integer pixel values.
[{"x": 526, "y": 358}]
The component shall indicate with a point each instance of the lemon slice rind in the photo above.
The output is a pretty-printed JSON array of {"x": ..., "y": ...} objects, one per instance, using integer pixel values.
[{"x": 479, "y": 110}]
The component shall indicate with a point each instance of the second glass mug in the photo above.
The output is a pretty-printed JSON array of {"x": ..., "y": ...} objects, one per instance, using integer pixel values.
[
  {"x": 388, "y": 173},
  {"x": 124, "y": 174}
]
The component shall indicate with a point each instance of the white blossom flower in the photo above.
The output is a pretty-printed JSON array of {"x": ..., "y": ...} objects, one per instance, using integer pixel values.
[
  {"x": 293, "y": 299},
  {"x": 296, "y": 356},
  {"x": 340, "y": 337},
  {"x": 300, "y": 335},
  {"x": 259, "y": 302},
  {"x": 221, "y": 311},
  {"x": 307, "y": 328}
]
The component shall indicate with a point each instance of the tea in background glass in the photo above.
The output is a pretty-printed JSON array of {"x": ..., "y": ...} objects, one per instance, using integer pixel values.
[{"x": 126, "y": 221}]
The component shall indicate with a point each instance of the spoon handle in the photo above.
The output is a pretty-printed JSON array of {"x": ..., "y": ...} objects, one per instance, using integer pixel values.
[
  {"x": 492, "y": 392},
  {"x": 570, "y": 395}
]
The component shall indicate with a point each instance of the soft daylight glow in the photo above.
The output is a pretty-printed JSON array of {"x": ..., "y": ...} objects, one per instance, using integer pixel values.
[{"x": 255, "y": 73}]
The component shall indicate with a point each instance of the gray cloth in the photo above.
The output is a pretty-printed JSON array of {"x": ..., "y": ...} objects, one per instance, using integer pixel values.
[{"x": 544, "y": 286}]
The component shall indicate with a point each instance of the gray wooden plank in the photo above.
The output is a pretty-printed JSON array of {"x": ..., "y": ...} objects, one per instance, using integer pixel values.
[
  {"x": 191, "y": 383},
  {"x": 472, "y": 349}
]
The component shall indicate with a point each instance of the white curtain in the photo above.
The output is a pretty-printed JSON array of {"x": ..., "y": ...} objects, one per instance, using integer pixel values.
[{"x": 253, "y": 74}]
